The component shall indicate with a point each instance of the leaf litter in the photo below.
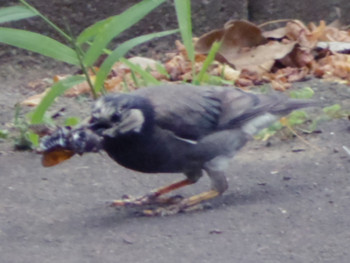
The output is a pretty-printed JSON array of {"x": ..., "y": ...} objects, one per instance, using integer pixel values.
[{"x": 248, "y": 56}]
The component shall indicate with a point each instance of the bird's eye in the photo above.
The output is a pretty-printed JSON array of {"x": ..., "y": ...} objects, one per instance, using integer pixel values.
[{"x": 115, "y": 117}]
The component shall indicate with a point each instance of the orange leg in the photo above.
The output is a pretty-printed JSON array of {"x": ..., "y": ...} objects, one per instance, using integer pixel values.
[
  {"x": 171, "y": 187},
  {"x": 154, "y": 196}
]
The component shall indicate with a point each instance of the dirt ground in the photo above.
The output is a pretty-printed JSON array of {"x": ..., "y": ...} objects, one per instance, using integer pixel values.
[{"x": 287, "y": 202}]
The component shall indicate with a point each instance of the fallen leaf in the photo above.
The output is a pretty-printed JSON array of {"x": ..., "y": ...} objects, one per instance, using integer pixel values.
[
  {"x": 234, "y": 36},
  {"x": 81, "y": 88},
  {"x": 277, "y": 33},
  {"x": 34, "y": 100},
  {"x": 262, "y": 58}
]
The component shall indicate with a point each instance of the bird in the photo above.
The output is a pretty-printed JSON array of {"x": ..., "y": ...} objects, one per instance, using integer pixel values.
[{"x": 179, "y": 128}]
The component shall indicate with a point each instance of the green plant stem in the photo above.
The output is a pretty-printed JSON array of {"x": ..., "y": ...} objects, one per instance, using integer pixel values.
[
  {"x": 48, "y": 21},
  {"x": 80, "y": 55},
  {"x": 84, "y": 68},
  {"x": 208, "y": 61}
]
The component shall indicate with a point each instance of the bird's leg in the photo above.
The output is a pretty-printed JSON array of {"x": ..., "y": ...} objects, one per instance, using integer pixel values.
[
  {"x": 216, "y": 172},
  {"x": 154, "y": 196}
]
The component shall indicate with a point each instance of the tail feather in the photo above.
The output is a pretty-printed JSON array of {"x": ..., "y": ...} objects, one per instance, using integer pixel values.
[
  {"x": 263, "y": 120},
  {"x": 291, "y": 105}
]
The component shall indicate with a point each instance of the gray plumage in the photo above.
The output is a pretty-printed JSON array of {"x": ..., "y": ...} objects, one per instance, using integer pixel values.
[
  {"x": 184, "y": 128},
  {"x": 174, "y": 129}
]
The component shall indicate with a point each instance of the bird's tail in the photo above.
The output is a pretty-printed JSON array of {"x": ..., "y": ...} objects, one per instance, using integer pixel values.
[
  {"x": 261, "y": 121},
  {"x": 291, "y": 105}
]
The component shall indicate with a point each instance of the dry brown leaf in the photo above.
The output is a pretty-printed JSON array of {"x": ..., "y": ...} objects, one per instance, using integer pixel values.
[
  {"x": 290, "y": 74},
  {"x": 226, "y": 72},
  {"x": 81, "y": 88},
  {"x": 178, "y": 66},
  {"x": 112, "y": 84},
  {"x": 34, "y": 100},
  {"x": 234, "y": 36},
  {"x": 298, "y": 32},
  {"x": 249, "y": 78},
  {"x": 243, "y": 45},
  {"x": 243, "y": 83},
  {"x": 331, "y": 32},
  {"x": 39, "y": 85},
  {"x": 280, "y": 85},
  {"x": 205, "y": 42},
  {"x": 298, "y": 58},
  {"x": 262, "y": 58},
  {"x": 334, "y": 66},
  {"x": 241, "y": 34},
  {"x": 144, "y": 63},
  {"x": 277, "y": 33}
]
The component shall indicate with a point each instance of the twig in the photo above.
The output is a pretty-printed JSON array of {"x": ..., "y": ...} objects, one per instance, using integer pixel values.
[{"x": 274, "y": 22}]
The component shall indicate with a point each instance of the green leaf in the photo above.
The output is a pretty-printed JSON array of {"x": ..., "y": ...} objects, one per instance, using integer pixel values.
[
  {"x": 38, "y": 43},
  {"x": 162, "y": 70},
  {"x": 14, "y": 13},
  {"x": 304, "y": 93},
  {"x": 46, "y": 20},
  {"x": 120, "y": 51},
  {"x": 116, "y": 25},
  {"x": 4, "y": 134},
  {"x": 33, "y": 138},
  {"x": 183, "y": 13},
  {"x": 55, "y": 91},
  {"x": 146, "y": 76},
  {"x": 268, "y": 132},
  {"x": 332, "y": 110},
  {"x": 297, "y": 117},
  {"x": 214, "y": 80},
  {"x": 92, "y": 31},
  {"x": 71, "y": 121}
]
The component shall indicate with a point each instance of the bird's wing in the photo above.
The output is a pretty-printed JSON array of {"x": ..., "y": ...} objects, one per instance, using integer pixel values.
[
  {"x": 190, "y": 112},
  {"x": 239, "y": 108}
]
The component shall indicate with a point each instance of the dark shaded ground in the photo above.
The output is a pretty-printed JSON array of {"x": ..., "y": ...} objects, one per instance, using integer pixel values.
[{"x": 282, "y": 205}]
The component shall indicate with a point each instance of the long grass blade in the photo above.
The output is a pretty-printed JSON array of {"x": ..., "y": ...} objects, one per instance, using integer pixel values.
[
  {"x": 38, "y": 43},
  {"x": 116, "y": 25},
  {"x": 183, "y": 13},
  {"x": 91, "y": 31},
  {"x": 14, "y": 13},
  {"x": 207, "y": 62},
  {"x": 47, "y": 20},
  {"x": 56, "y": 90},
  {"x": 145, "y": 75},
  {"x": 120, "y": 51}
]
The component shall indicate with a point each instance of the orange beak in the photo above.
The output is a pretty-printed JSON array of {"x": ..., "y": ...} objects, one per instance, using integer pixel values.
[{"x": 54, "y": 157}]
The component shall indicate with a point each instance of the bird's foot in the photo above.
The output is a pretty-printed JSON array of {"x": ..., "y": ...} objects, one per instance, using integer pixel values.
[
  {"x": 149, "y": 199},
  {"x": 164, "y": 206},
  {"x": 193, "y": 203}
]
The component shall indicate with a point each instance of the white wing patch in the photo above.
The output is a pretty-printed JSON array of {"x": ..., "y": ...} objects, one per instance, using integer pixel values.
[{"x": 185, "y": 140}]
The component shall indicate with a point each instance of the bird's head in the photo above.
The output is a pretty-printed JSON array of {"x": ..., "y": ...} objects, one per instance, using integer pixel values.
[{"x": 120, "y": 114}]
